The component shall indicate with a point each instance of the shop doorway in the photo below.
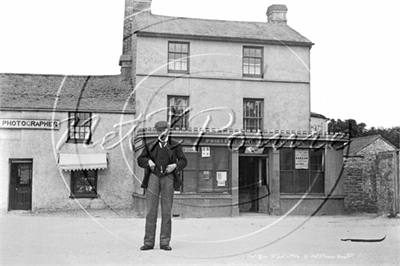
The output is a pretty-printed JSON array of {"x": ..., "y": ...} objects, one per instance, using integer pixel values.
[
  {"x": 253, "y": 184},
  {"x": 20, "y": 195}
]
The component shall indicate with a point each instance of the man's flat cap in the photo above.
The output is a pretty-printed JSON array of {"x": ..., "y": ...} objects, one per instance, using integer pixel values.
[{"x": 161, "y": 125}]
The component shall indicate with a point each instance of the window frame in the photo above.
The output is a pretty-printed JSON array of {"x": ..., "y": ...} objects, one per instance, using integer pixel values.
[
  {"x": 296, "y": 173},
  {"x": 184, "y": 116},
  {"x": 87, "y": 126},
  {"x": 87, "y": 194},
  {"x": 199, "y": 169},
  {"x": 261, "y": 75},
  {"x": 170, "y": 70},
  {"x": 246, "y": 119}
]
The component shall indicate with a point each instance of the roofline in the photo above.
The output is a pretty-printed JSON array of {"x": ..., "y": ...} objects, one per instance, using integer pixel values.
[
  {"x": 220, "y": 38},
  {"x": 58, "y": 75},
  {"x": 63, "y": 110}
]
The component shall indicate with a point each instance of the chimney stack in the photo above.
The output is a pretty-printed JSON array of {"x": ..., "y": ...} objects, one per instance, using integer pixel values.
[
  {"x": 128, "y": 57},
  {"x": 277, "y": 14}
]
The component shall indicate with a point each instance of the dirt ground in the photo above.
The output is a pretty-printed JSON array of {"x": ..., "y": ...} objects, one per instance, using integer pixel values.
[{"x": 114, "y": 238}]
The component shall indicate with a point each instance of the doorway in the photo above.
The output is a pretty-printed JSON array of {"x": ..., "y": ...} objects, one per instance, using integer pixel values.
[
  {"x": 20, "y": 195},
  {"x": 253, "y": 187}
]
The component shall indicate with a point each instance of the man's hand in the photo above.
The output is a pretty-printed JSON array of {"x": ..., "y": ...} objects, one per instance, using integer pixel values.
[
  {"x": 151, "y": 165},
  {"x": 170, "y": 168}
]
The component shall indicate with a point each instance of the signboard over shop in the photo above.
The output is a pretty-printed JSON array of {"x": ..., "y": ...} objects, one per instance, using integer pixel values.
[{"x": 12, "y": 123}]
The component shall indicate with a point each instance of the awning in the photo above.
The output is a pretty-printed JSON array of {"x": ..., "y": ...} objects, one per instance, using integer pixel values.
[{"x": 84, "y": 161}]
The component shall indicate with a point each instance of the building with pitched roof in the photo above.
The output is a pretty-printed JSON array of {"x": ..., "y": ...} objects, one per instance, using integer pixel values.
[
  {"x": 65, "y": 142},
  {"x": 368, "y": 145},
  {"x": 237, "y": 95}
]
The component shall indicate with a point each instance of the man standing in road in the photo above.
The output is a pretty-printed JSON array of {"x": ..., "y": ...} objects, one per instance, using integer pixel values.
[{"x": 162, "y": 159}]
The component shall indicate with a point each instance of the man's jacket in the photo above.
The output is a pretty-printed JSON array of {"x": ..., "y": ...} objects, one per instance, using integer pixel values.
[{"x": 175, "y": 156}]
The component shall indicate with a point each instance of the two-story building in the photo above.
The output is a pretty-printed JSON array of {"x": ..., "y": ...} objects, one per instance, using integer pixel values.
[{"x": 238, "y": 97}]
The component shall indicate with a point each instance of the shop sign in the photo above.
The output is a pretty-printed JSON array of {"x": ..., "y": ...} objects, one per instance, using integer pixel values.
[
  {"x": 189, "y": 149},
  {"x": 221, "y": 179},
  {"x": 301, "y": 159},
  {"x": 12, "y": 123},
  {"x": 205, "y": 151}
]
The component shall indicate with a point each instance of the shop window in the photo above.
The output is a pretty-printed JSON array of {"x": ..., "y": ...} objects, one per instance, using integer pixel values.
[
  {"x": 79, "y": 127},
  {"x": 178, "y": 57},
  {"x": 207, "y": 170},
  {"x": 84, "y": 184},
  {"x": 302, "y": 170},
  {"x": 178, "y": 115},
  {"x": 253, "y": 114},
  {"x": 252, "y": 61}
]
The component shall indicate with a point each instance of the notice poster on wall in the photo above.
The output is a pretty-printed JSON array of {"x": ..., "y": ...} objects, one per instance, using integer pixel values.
[
  {"x": 221, "y": 179},
  {"x": 301, "y": 159},
  {"x": 205, "y": 151}
]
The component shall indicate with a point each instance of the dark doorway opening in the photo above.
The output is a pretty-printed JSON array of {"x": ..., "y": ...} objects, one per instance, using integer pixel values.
[
  {"x": 20, "y": 195},
  {"x": 252, "y": 177}
]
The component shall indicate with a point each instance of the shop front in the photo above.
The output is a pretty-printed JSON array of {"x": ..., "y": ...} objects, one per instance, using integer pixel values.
[{"x": 231, "y": 172}]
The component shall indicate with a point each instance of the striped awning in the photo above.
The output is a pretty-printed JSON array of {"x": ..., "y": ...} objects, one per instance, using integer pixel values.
[{"x": 84, "y": 161}]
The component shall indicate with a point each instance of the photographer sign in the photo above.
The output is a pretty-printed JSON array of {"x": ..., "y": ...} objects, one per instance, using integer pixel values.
[{"x": 13, "y": 123}]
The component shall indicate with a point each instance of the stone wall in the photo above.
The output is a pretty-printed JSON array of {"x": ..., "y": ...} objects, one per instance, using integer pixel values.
[{"x": 371, "y": 183}]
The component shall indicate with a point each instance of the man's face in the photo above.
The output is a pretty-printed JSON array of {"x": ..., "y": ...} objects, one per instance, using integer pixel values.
[{"x": 162, "y": 133}]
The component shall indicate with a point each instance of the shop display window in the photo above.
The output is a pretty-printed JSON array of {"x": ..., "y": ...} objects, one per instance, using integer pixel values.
[
  {"x": 208, "y": 170},
  {"x": 84, "y": 183},
  {"x": 302, "y": 170}
]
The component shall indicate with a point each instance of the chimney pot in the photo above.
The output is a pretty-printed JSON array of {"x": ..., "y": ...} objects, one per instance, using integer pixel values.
[{"x": 277, "y": 14}]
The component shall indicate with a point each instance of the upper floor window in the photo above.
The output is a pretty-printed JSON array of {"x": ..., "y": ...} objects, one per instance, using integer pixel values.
[
  {"x": 178, "y": 57},
  {"x": 177, "y": 105},
  {"x": 252, "y": 61},
  {"x": 253, "y": 114},
  {"x": 79, "y": 127}
]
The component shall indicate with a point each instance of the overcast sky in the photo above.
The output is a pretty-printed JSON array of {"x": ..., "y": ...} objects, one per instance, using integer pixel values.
[{"x": 355, "y": 62}]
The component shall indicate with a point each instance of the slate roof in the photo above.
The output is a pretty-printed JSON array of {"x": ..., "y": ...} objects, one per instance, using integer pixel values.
[
  {"x": 357, "y": 144},
  {"x": 85, "y": 93},
  {"x": 149, "y": 24}
]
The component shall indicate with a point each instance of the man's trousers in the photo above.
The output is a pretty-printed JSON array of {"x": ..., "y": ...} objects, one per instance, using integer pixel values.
[{"x": 159, "y": 188}]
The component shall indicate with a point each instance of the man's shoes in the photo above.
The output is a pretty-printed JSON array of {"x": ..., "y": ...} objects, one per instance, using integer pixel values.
[
  {"x": 166, "y": 247},
  {"x": 146, "y": 247}
]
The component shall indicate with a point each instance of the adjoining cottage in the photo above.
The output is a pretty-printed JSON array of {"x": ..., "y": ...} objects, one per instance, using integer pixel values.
[{"x": 63, "y": 144}]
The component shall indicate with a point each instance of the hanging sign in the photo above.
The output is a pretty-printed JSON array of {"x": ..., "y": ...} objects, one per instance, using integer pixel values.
[{"x": 301, "y": 159}]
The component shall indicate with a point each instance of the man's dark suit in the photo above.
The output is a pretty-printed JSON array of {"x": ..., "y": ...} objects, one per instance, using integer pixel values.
[{"x": 159, "y": 183}]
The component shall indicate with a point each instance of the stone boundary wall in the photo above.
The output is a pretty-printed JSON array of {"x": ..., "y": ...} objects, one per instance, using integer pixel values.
[{"x": 371, "y": 183}]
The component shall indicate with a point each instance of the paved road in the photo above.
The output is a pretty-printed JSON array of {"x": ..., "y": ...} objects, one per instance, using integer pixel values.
[{"x": 107, "y": 238}]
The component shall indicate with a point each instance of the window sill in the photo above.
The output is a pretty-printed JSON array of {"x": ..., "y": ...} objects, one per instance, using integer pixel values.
[
  {"x": 203, "y": 196},
  {"x": 83, "y": 196},
  {"x": 309, "y": 196}
]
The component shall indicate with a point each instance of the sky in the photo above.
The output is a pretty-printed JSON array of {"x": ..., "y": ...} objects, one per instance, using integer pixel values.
[{"x": 355, "y": 59}]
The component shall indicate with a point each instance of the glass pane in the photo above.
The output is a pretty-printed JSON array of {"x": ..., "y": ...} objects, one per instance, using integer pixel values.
[
  {"x": 319, "y": 184},
  {"x": 222, "y": 158},
  {"x": 286, "y": 159},
  {"x": 24, "y": 174},
  {"x": 185, "y": 48},
  {"x": 189, "y": 181},
  {"x": 258, "y": 52},
  {"x": 286, "y": 182},
  {"x": 206, "y": 180},
  {"x": 246, "y": 52},
  {"x": 302, "y": 181}
]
